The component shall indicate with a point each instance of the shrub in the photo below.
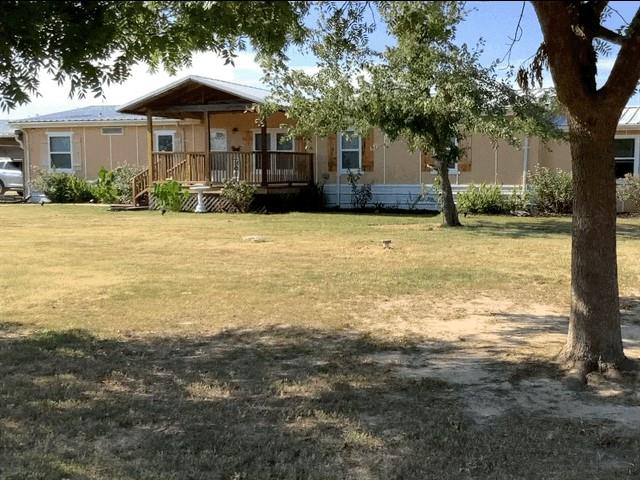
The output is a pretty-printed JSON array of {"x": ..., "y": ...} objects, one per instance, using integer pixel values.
[
  {"x": 170, "y": 195},
  {"x": 115, "y": 186},
  {"x": 629, "y": 191},
  {"x": 486, "y": 199},
  {"x": 551, "y": 190},
  {"x": 239, "y": 193},
  {"x": 62, "y": 187},
  {"x": 519, "y": 200},
  {"x": 360, "y": 194},
  {"x": 122, "y": 177},
  {"x": 104, "y": 189}
]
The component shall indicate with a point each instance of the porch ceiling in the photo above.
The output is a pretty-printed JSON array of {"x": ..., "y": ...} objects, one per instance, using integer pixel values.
[{"x": 190, "y": 96}]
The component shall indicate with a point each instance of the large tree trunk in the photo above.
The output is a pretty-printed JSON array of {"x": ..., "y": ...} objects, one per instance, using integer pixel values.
[
  {"x": 594, "y": 339},
  {"x": 449, "y": 210}
]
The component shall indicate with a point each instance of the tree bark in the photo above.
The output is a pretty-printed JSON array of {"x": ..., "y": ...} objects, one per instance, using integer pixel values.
[
  {"x": 449, "y": 210},
  {"x": 594, "y": 339}
]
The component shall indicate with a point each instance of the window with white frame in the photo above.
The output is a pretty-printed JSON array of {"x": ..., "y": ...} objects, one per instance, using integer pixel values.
[
  {"x": 625, "y": 156},
  {"x": 350, "y": 151},
  {"x": 60, "y": 157},
  {"x": 165, "y": 140}
]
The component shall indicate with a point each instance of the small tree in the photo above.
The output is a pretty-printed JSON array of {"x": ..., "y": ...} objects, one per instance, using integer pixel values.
[{"x": 425, "y": 90}]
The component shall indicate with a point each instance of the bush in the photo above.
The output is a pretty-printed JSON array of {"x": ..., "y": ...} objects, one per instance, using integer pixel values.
[
  {"x": 115, "y": 186},
  {"x": 63, "y": 187},
  {"x": 486, "y": 199},
  {"x": 104, "y": 189},
  {"x": 239, "y": 193},
  {"x": 551, "y": 190},
  {"x": 361, "y": 195},
  {"x": 629, "y": 191},
  {"x": 518, "y": 201},
  {"x": 170, "y": 195},
  {"x": 122, "y": 177}
]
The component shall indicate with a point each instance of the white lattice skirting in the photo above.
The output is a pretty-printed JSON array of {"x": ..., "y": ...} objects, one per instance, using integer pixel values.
[{"x": 212, "y": 202}]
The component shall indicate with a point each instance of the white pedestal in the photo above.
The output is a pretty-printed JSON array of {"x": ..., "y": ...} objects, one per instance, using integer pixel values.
[{"x": 199, "y": 189}]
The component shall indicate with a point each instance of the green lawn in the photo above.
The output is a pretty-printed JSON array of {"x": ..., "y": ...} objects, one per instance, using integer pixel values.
[{"x": 141, "y": 346}]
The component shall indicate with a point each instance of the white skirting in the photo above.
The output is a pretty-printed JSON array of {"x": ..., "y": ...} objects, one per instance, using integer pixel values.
[{"x": 400, "y": 196}]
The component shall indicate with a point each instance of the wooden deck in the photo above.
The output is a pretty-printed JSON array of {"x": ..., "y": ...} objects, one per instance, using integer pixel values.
[{"x": 281, "y": 169}]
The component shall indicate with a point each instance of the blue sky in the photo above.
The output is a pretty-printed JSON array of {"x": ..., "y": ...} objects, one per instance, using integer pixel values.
[{"x": 495, "y": 22}]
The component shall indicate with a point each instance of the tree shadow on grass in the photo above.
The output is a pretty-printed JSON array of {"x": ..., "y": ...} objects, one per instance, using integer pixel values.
[
  {"x": 539, "y": 228},
  {"x": 276, "y": 402}
]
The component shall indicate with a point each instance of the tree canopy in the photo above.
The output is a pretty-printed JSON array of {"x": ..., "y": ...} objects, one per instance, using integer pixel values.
[{"x": 93, "y": 43}]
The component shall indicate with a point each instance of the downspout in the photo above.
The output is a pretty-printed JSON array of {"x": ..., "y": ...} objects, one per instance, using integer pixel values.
[
  {"x": 525, "y": 162},
  {"x": 21, "y": 137}
]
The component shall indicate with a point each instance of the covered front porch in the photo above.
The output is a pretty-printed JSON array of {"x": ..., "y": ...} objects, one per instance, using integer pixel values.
[{"x": 261, "y": 157}]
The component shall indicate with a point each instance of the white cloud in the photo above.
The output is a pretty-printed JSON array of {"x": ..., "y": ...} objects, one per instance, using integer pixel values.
[{"x": 55, "y": 98}]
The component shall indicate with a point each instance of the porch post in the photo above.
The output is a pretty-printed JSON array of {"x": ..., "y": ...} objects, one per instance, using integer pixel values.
[
  {"x": 264, "y": 152},
  {"x": 150, "y": 146},
  {"x": 207, "y": 145}
]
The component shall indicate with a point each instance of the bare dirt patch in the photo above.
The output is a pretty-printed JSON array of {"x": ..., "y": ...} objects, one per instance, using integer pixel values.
[{"x": 502, "y": 357}]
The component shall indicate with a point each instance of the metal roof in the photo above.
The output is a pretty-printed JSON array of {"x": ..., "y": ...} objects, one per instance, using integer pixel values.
[
  {"x": 6, "y": 131},
  {"x": 246, "y": 92},
  {"x": 630, "y": 117},
  {"x": 97, "y": 113}
]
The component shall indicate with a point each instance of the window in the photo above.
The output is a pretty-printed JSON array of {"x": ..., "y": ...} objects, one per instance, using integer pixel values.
[
  {"x": 60, "y": 151},
  {"x": 276, "y": 142},
  {"x": 283, "y": 144},
  {"x": 350, "y": 151},
  {"x": 257, "y": 146},
  {"x": 218, "y": 140},
  {"x": 257, "y": 142},
  {"x": 165, "y": 140},
  {"x": 284, "y": 161},
  {"x": 625, "y": 155},
  {"x": 112, "y": 131}
]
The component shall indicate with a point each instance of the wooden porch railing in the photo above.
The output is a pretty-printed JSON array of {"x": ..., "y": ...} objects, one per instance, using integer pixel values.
[
  {"x": 180, "y": 166},
  {"x": 139, "y": 184},
  {"x": 283, "y": 168}
]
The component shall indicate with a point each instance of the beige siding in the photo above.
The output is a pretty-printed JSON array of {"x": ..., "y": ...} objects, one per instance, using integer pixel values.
[
  {"x": 91, "y": 150},
  {"x": 393, "y": 164}
]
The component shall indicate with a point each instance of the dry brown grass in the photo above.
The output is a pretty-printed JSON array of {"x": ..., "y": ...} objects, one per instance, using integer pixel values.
[{"x": 135, "y": 346}]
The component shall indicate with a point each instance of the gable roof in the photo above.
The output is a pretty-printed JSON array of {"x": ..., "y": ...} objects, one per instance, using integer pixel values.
[{"x": 196, "y": 91}]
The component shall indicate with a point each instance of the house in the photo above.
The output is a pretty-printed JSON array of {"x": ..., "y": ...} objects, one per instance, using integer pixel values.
[{"x": 164, "y": 133}]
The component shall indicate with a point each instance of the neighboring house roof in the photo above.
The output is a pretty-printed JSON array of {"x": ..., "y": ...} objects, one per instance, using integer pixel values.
[
  {"x": 6, "y": 131},
  {"x": 189, "y": 96}
]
